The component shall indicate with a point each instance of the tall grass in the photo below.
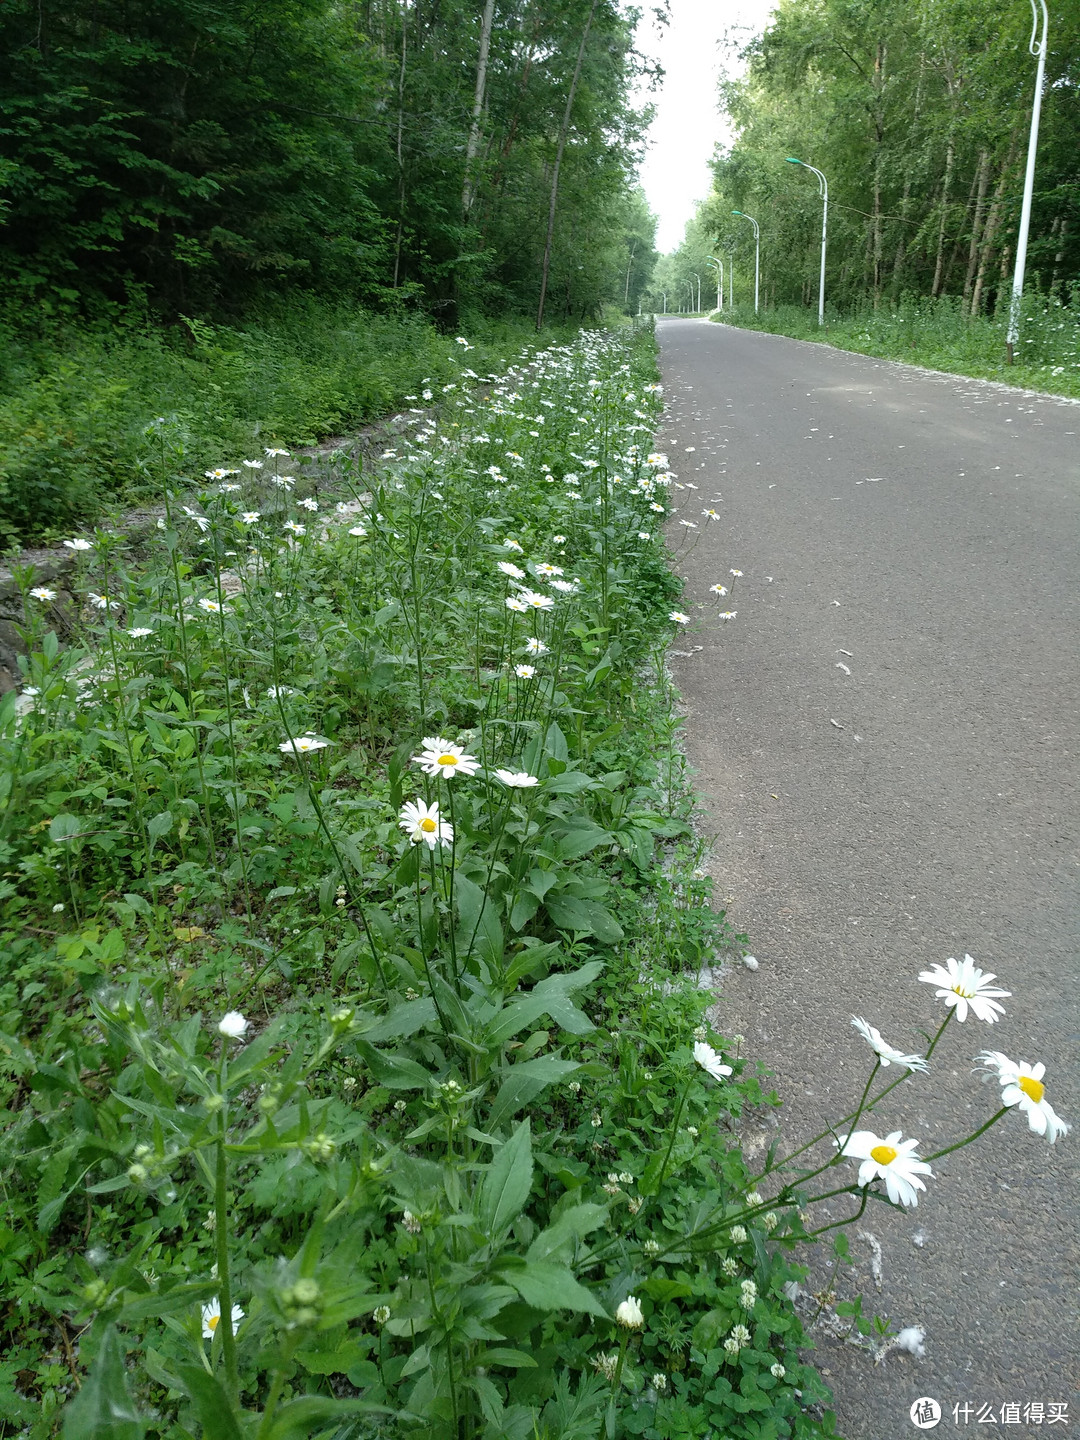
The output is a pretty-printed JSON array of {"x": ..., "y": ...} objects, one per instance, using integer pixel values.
[
  {"x": 75, "y": 403},
  {"x": 936, "y": 334}
]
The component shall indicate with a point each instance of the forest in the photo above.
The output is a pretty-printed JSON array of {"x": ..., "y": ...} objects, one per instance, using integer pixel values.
[{"x": 918, "y": 113}]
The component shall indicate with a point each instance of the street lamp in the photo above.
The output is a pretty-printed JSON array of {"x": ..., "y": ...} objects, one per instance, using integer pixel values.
[
  {"x": 757, "y": 252},
  {"x": 1037, "y": 48},
  {"x": 698, "y": 279},
  {"x": 712, "y": 260},
  {"x": 823, "y": 191},
  {"x": 664, "y": 294}
]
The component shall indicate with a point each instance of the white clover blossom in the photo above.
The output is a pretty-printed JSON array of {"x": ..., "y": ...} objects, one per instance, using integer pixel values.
[
  {"x": 891, "y": 1159},
  {"x": 777, "y": 1371},
  {"x": 964, "y": 987},
  {"x": 233, "y": 1025},
  {"x": 629, "y": 1314},
  {"x": 885, "y": 1052}
]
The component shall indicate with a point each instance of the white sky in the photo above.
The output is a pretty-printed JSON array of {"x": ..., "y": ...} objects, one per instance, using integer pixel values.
[{"x": 688, "y": 124}]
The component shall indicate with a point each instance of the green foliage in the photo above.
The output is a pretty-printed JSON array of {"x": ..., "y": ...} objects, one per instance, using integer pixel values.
[
  {"x": 313, "y": 1127},
  {"x": 938, "y": 335}
]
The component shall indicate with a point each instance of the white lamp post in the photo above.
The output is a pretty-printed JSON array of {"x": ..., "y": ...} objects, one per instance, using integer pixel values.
[
  {"x": 823, "y": 191},
  {"x": 757, "y": 253},
  {"x": 664, "y": 294},
  {"x": 712, "y": 260},
  {"x": 1037, "y": 48},
  {"x": 698, "y": 279}
]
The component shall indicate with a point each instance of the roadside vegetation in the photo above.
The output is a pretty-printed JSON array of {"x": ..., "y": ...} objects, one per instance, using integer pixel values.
[{"x": 937, "y": 334}]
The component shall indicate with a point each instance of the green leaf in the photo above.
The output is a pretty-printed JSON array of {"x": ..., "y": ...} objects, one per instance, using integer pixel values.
[
  {"x": 570, "y": 782},
  {"x": 572, "y": 1224},
  {"x": 500, "y": 1355},
  {"x": 584, "y": 917},
  {"x": 480, "y": 931},
  {"x": 396, "y": 1072},
  {"x": 507, "y": 1183},
  {"x": 211, "y": 1404},
  {"x": 523, "y": 1083},
  {"x": 546, "y": 1286},
  {"x": 309, "y": 1414},
  {"x": 103, "y": 1409},
  {"x": 584, "y": 836},
  {"x": 159, "y": 825},
  {"x": 403, "y": 1020}
]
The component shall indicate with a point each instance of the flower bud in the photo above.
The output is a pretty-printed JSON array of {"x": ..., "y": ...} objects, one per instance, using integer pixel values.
[{"x": 629, "y": 1314}]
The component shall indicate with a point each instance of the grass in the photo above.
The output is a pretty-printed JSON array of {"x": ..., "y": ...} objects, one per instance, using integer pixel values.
[
  {"x": 934, "y": 334},
  {"x": 386, "y": 1055},
  {"x": 75, "y": 404}
]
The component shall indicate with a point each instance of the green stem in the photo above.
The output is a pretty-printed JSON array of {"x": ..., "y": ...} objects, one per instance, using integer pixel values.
[{"x": 221, "y": 1237}]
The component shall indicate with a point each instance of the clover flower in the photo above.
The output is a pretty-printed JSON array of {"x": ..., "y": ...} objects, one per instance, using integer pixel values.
[
  {"x": 381, "y": 1314},
  {"x": 748, "y": 1295},
  {"x": 965, "y": 986},
  {"x": 421, "y": 822},
  {"x": 446, "y": 760},
  {"x": 233, "y": 1025},
  {"x": 885, "y": 1052},
  {"x": 710, "y": 1061},
  {"x": 629, "y": 1314},
  {"x": 1022, "y": 1085},
  {"x": 211, "y": 1318},
  {"x": 892, "y": 1160}
]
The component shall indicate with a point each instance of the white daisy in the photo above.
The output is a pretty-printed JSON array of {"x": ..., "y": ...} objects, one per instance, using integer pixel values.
[
  {"x": 517, "y": 779},
  {"x": 509, "y": 568},
  {"x": 78, "y": 544},
  {"x": 310, "y": 503},
  {"x": 302, "y": 745},
  {"x": 524, "y": 672},
  {"x": 885, "y": 1052},
  {"x": 718, "y": 589},
  {"x": 1023, "y": 1085},
  {"x": 965, "y": 986},
  {"x": 294, "y": 528},
  {"x": 42, "y": 592},
  {"x": 211, "y": 1318},
  {"x": 139, "y": 632},
  {"x": 446, "y": 760},
  {"x": 358, "y": 531},
  {"x": 710, "y": 1061},
  {"x": 421, "y": 823},
  {"x": 892, "y": 1160},
  {"x": 679, "y": 618},
  {"x": 250, "y": 517},
  {"x": 210, "y": 606},
  {"x": 533, "y": 600}
]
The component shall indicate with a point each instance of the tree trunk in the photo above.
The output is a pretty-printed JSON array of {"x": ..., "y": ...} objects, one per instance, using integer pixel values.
[
  {"x": 558, "y": 165},
  {"x": 467, "y": 189},
  {"x": 879, "y": 139},
  {"x": 400, "y": 162},
  {"x": 1059, "y": 257},
  {"x": 939, "y": 266},
  {"x": 993, "y": 225},
  {"x": 983, "y": 183}
]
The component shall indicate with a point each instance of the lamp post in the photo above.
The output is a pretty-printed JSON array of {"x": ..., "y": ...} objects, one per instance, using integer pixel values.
[
  {"x": 1037, "y": 48},
  {"x": 823, "y": 191},
  {"x": 757, "y": 253},
  {"x": 698, "y": 279},
  {"x": 712, "y": 260},
  {"x": 664, "y": 294}
]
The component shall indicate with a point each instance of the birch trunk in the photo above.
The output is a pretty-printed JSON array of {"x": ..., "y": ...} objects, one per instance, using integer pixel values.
[
  {"x": 467, "y": 189},
  {"x": 977, "y": 223},
  {"x": 993, "y": 225},
  {"x": 558, "y": 165}
]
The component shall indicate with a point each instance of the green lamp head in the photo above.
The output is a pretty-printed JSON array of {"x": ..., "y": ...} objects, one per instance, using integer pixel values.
[
  {"x": 791, "y": 160},
  {"x": 736, "y": 212}
]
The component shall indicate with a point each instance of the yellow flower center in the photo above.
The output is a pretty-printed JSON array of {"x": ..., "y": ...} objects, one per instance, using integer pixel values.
[
  {"x": 428, "y": 825},
  {"x": 212, "y": 1322},
  {"x": 448, "y": 759},
  {"x": 966, "y": 994},
  {"x": 1032, "y": 1088},
  {"x": 883, "y": 1154}
]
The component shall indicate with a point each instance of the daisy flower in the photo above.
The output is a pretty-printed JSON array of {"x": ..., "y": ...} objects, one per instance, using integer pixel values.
[
  {"x": 302, "y": 745},
  {"x": 101, "y": 602},
  {"x": 1023, "y": 1085},
  {"x": 535, "y": 646},
  {"x": 358, "y": 531},
  {"x": 250, "y": 517},
  {"x": 533, "y": 600},
  {"x": 728, "y": 614},
  {"x": 737, "y": 574},
  {"x": 446, "y": 760},
  {"x": 885, "y": 1052},
  {"x": 42, "y": 592},
  {"x": 558, "y": 540},
  {"x": 273, "y": 454},
  {"x": 718, "y": 589},
  {"x": 966, "y": 987},
  {"x": 710, "y": 1061},
  {"x": 211, "y": 1318},
  {"x": 659, "y": 509},
  {"x": 509, "y": 568},
  {"x": 78, "y": 544},
  {"x": 139, "y": 632},
  {"x": 518, "y": 606},
  {"x": 252, "y": 464},
  {"x": 509, "y": 545},
  {"x": 283, "y": 482},
  {"x": 679, "y": 618},
  {"x": 200, "y": 520},
  {"x": 294, "y": 528},
  {"x": 422, "y": 823},
  {"x": 644, "y": 535},
  {"x": 546, "y": 569},
  {"x": 517, "y": 779},
  {"x": 892, "y": 1160},
  {"x": 524, "y": 672}
]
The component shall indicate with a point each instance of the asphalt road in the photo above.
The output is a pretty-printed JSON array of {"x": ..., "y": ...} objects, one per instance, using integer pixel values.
[{"x": 921, "y": 530}]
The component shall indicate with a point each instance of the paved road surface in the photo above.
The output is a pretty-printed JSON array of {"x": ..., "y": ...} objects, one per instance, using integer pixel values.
[{"x": 923, "y": 531}]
